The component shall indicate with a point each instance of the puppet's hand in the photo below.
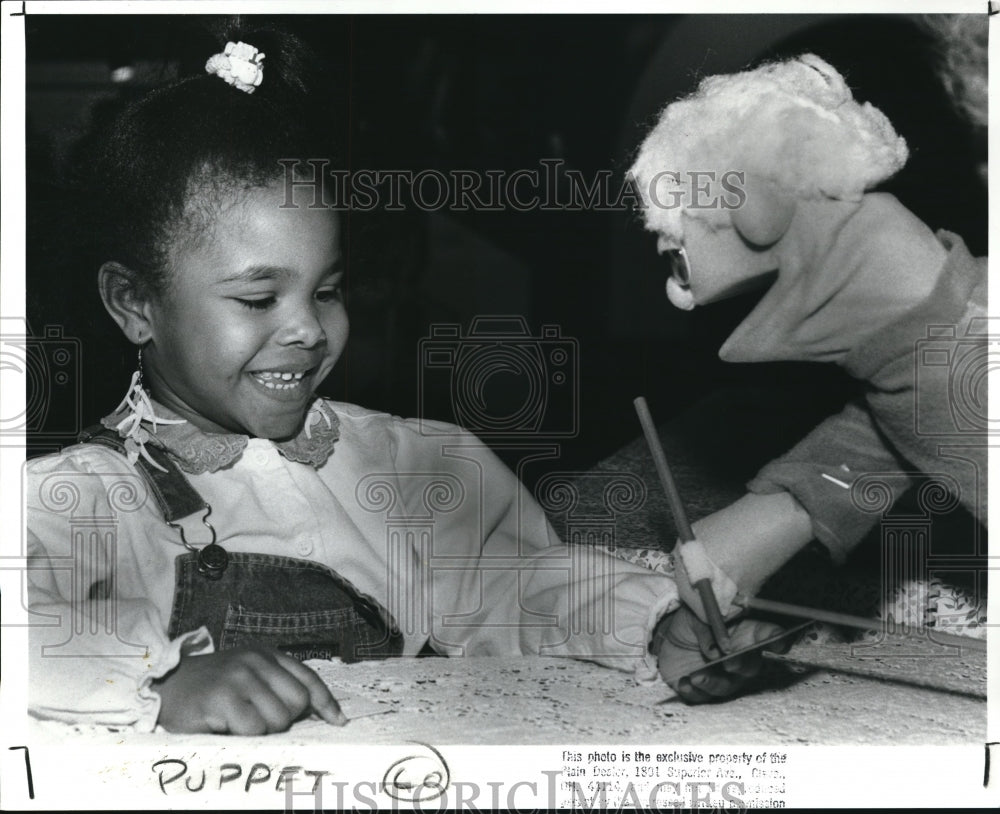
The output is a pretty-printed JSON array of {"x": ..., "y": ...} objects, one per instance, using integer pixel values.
[
  {"x": 685, "y": 647},
  {"x": 245, "y": 691}
]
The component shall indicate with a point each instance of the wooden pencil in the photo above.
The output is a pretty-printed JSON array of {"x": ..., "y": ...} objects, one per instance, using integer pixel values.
[{"x": 684, "y": 530}]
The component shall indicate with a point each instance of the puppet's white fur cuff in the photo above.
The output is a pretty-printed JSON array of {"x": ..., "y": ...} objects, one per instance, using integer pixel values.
[{"x": 698, "y": 566}]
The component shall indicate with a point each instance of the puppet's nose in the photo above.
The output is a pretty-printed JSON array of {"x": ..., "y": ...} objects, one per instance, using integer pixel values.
[{"x": 679, "y": 296}]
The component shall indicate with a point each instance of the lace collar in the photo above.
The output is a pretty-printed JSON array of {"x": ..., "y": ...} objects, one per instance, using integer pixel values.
[{"x": 197, "y": 452}]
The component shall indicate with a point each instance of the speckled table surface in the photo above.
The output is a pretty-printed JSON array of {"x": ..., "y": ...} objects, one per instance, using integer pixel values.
[
  {"x": 816, "y": 694},
  {"x": 821, "y": 694}
]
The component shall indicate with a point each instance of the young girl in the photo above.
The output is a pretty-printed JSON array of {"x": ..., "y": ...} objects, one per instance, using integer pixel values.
[{"x": 224, "y": 522}]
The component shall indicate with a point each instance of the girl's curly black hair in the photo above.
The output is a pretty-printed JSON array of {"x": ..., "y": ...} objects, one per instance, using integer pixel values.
[{"x": 151, "y": 166}]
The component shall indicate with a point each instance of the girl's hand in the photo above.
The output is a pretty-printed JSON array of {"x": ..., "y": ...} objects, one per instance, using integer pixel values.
[
  {"x": 245, "y": 691},
  {"x": 686, "y": 645}
]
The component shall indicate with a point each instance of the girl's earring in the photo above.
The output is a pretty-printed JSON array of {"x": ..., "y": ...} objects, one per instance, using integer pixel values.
[{"x": 140, "y": 411}]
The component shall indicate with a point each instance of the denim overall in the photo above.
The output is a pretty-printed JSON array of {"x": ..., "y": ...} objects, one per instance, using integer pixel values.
[{"x": 302, "y": 607}]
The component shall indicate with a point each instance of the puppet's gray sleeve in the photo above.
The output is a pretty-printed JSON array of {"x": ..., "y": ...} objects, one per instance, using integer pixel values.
[{"x": 821, "y": 470}]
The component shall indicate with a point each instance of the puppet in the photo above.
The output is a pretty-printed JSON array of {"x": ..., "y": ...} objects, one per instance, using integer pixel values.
[{"x": 765, "y": 178}]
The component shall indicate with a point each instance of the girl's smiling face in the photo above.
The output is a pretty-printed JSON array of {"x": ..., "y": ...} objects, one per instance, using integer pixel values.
[{"x": 252, "y": 318}]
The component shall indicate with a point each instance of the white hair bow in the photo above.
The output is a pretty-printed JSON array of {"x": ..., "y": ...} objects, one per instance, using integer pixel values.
[{"x": 240, "y": 65}]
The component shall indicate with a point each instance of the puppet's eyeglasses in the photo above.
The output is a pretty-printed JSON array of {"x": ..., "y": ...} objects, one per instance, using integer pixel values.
[{"x": 680, "y": 268}]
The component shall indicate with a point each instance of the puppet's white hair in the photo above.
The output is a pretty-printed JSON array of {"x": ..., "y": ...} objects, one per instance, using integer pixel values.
[{"x": 794, "y": 123}]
